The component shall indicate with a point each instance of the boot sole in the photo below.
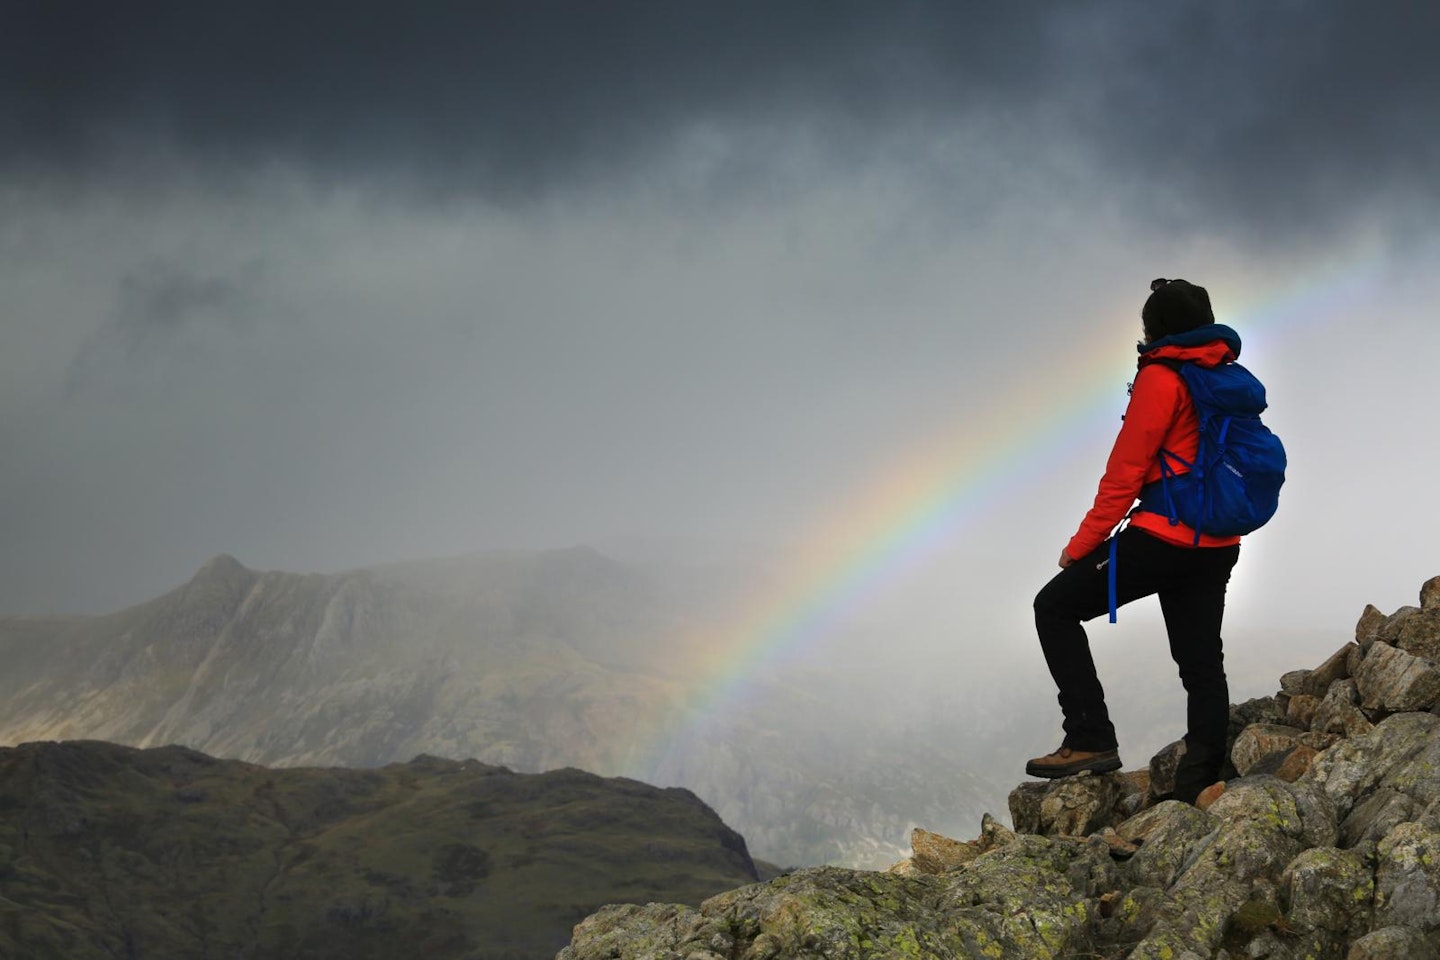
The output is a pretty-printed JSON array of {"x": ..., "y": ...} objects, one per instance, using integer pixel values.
[{"x": 1056, "y": 771}]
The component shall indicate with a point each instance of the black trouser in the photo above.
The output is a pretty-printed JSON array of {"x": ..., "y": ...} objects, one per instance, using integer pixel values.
[{"x": 1190, "y": 583}]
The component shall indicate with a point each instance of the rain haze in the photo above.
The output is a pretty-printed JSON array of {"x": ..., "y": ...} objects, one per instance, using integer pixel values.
[{"x": 323, "y": 290}]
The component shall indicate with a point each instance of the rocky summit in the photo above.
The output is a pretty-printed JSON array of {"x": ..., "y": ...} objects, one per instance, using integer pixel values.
[{"x": 1323, "y": 843}]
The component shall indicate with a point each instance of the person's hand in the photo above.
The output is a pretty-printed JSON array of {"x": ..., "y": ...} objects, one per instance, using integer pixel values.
[{"x": 1065, "y": 559}]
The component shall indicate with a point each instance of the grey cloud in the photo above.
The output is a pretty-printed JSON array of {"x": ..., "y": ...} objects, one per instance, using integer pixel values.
[
  {"x": 163, "y": 314},
  {"x": 1278, "y": 114},
  {"x": 162, "y": 298}
]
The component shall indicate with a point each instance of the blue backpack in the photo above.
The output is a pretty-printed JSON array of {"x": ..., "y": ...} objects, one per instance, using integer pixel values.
[{"x": 1233, "y": 487}]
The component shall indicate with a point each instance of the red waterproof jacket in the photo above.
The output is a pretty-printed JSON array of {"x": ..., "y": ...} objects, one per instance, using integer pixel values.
[{"x": 1160, "y": 414}]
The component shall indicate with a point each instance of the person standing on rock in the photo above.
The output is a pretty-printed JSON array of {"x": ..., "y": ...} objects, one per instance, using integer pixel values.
[{"x": 1152, "y": 554}]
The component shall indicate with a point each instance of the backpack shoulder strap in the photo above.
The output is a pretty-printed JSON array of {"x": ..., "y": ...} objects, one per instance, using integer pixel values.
[{"x": 1171, "y": 362}]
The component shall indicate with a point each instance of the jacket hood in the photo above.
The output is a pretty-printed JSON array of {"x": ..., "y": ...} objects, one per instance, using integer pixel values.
[{"x": 1210, "y": 346}]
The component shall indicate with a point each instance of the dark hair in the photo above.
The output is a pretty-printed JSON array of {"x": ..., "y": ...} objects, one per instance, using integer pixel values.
[{"x": 1175, "y": 306}]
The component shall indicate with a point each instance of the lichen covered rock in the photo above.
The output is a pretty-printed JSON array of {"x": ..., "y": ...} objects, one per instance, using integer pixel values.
[
  {"x": 1335, "y": 667},
  {"x": 1258, "y": 741},
  {"x": 1288, "y": 765},
  {"x": 1407, "y": 878},
  {"x": 1162, "y": 771},
  {"x": 1339, "y": 713},
  {"x": 1354, "y": 768},
  {"x": 659, "y": 930},
  {"x": 1375, "y": 816},
  {"x": 1419, "y": 634},
  {"x": 1078, "y": 806},
  {"x": 1369, "y": 625},
  {"x": 1392, "y": 680},
  {"x": 1394, "y": 943},
  {"x": 1041, "y": 892},
  {"x": 1430, "y": 594},
  {"x": 1293, "y": 682},
  {"x": 1390, "y": 629},
  {"x": 1300, "y": 710},
  {"x": 1328, "y": 889},
  {"x": 1170, "y": 834},
  {"x": 1224, "y": 873},
  {"x": 1024, "y": 804},
  {"x": 1033, "y": 898},
  {"x": 935, "y": 854},
  {"x": 1301, "y": 811}
]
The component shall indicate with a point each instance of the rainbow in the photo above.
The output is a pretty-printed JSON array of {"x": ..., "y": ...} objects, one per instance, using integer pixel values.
[{"x": 925, "y": 499}]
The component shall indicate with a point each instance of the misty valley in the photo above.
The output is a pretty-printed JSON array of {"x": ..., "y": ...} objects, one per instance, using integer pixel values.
[{"x": 515, "y": 662}]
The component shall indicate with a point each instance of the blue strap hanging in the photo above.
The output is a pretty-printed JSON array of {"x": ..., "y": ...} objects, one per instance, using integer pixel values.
[
  {"x": 1111, "y": 574},
  {"x": 1111, "y": 564}
]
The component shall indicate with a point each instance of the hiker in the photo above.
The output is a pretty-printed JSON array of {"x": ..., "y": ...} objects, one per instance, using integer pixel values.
[{"x": 1153, "y": 554}]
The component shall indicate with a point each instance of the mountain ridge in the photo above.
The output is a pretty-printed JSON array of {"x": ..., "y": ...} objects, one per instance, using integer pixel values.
[{"x": 532, "y": 661}]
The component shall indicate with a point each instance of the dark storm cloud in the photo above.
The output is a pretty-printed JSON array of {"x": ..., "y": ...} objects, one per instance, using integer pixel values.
[
  {"x": 1280, "y": 111},
  {"x": 1265, "y": 110}
]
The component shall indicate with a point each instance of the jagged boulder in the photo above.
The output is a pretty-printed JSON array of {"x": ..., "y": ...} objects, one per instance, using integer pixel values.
[
  {"x": 1419, "y": 634},
  {"x": 1081, "y": 805},
  {"x": 1335, "y": 667},
  {"x": 1240, "y": 858},
  {"x": 1078, "y": 806},
  {"x": 1293, "y": 683},
  {"x": 1394, "y": 943},
  {"x": 1260, "y": 740},
  {"x": 1430, "y": 594},
  {"x": 1390, "y": 629},
  {"x": 1302, "y": 811},
  {"x": 1392, "y": 680},
  {"x": 1169, "y": 833},
  {"x": 1353, "y": 769},
  {"x": 1330, "y": 889},
  {"x": 1415, "y": 630},
  {"x": 1259, "y": 710},
  {"x": 1369, "y": 625},
  {"x": 1375, "y": 816},
  {"x": 1287, "y": 764},
  {"x": 1162, "y": 771},
  {"x": 1044, "y": 891},
  {"x": 1339, "y": 713},
  {"x": 933, "y": 853},
  {"x": 1300, "y": 710},
  {"x": 1024, "y": 803},
  {"x": 1407, "y": 878}
]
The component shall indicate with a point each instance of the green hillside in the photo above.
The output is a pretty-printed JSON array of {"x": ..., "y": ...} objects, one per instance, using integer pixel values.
[{"x": 108, "y": 851}]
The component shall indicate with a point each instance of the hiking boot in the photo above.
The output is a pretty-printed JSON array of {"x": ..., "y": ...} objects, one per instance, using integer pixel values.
[{"x": 1066, "y": 762}]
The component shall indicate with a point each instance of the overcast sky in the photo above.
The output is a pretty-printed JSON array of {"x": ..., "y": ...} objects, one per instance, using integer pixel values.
[{"x": 323, "y": 289}]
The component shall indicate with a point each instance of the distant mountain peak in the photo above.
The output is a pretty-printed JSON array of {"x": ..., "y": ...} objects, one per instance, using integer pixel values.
[
  {"x": 216, "y": 588},
  {"x": 220, "y": 565}
]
